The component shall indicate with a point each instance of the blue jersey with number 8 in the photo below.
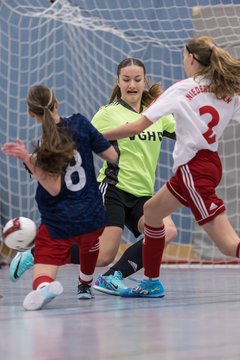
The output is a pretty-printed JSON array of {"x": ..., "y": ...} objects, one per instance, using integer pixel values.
[{"x": 78, "y": 208}]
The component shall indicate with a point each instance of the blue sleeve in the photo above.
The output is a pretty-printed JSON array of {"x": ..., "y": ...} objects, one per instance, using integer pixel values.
[
  {"x": 83, "y": 131},
  {"x": 98, "y": 141}
]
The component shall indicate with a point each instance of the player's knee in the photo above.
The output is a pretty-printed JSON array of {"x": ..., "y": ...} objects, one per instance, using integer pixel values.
[
  {"x": 147, "y": 210},
  {"x": 174, "y": 232},
  {"x": 171, "y": 233},
  {"x": 105, "y": 259}
]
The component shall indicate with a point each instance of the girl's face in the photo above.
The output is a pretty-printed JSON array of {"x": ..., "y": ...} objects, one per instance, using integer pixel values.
[
  {"x": 187, "y": 61},
  {"x": 131, "y": 82}
]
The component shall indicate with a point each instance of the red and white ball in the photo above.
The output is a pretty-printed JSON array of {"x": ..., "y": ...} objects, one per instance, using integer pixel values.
[{"x": 19, "y": 233}]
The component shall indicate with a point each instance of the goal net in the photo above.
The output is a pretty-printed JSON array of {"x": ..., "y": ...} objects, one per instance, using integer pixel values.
[{"x": 74, "y": 47}]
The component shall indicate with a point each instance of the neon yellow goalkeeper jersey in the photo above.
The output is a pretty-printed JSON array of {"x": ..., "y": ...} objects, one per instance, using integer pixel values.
[{"x": 138, "y": 155}]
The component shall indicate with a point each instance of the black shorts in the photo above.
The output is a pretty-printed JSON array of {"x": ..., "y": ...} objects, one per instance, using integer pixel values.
[{"x": 122, "y": 208}]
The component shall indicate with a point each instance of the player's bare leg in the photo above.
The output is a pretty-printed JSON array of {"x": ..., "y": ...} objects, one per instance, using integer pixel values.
[
  {"x": 222, "y": 233},
  {"x": 109, "y": 245}
]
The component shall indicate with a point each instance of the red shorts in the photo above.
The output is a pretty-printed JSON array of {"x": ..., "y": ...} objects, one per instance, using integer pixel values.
[
  {"x": 194, "y": 185},
  {"x": 58, "y": 251}
]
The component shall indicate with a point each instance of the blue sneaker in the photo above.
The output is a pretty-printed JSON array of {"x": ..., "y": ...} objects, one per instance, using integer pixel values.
[
  {"x": 36, "y": 299},
  {"x": 111, "y": 284},
  {"x": 20, "y": 263},
  {"x": 146, "y": 288}
]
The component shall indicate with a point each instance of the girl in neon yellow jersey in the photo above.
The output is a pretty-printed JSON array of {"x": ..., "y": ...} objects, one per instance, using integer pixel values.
[{"x": 127, "y": 185}]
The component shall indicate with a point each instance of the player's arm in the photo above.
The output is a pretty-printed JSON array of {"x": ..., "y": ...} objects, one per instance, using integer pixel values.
[
  {"x": 101, "y": 146},
  {"x": 18, "y": 150},
  {"x": 109, "y": 155},
  {"x": 129, "y": 129},
  {"x": 163, "y": 105}
]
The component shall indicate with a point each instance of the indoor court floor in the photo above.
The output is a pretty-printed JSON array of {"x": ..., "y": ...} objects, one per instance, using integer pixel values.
[{"x": 198, "y": 319}]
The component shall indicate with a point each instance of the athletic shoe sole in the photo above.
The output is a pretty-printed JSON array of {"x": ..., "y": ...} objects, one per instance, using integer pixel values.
[
  {"x": 106, "y": 291},
  {"x": 141, "y": 296},
  {"x": 36, "y": 299},
  {"x": 85, "y": 296}
]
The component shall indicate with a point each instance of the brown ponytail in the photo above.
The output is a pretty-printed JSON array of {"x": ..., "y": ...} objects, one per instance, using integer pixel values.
[{"x": 56, "y": 148}]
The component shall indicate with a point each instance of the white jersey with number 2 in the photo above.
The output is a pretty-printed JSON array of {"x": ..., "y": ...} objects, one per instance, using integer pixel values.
[{"x": 200, "y": 117}]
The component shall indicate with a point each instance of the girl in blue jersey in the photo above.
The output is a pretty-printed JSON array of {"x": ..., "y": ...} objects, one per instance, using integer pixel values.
[{"x": 67, "y": 195}]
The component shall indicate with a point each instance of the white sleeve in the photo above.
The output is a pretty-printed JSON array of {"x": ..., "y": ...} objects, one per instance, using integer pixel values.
[
  {"x": 163, "y": 105},
  {"x": 236, "y": 115}
]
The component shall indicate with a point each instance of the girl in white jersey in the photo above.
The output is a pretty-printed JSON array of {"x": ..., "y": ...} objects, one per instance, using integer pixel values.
[{"x": 203, "y": 105}]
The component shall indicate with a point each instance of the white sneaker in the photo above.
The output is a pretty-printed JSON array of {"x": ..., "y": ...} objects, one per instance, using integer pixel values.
[{"x": 36, "y": 299}]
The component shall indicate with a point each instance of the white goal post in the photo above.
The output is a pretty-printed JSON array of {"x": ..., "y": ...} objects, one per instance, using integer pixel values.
[{"x": 74, "y": 46}]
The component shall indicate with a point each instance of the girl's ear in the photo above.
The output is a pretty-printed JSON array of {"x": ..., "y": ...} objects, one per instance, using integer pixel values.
[
  {"x": 31, "y": 114},
  {"x": 56, "y": 104},
  {"x": 191, "y": 59}
]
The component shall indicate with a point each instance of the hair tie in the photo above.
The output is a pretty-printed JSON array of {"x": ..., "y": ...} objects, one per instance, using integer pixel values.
[{"x": 212, "y": 46}]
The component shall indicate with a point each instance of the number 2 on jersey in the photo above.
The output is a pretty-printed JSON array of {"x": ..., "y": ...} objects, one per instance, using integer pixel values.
[{"x": 210, "y": 135}]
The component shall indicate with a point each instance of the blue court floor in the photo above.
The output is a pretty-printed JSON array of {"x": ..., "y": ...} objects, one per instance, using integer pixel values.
[{"x": 198, "y": 319}]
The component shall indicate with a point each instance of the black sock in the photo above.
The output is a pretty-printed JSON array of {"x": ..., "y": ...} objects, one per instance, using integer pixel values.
[{"x": 129, "y": 262}]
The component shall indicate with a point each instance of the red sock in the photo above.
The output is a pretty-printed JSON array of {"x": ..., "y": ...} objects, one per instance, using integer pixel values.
[
  {"x": 88, "y": 260},
  {"x": 153, "y": 247},
  {"x": 40, "y": 280}
]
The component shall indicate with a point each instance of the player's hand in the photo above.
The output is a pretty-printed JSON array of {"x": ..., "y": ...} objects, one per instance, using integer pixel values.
[{"x": 16, "y": 149}]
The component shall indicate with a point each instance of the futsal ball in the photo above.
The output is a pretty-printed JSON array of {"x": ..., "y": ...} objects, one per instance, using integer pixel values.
[{"x": 19, "y": 233}]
